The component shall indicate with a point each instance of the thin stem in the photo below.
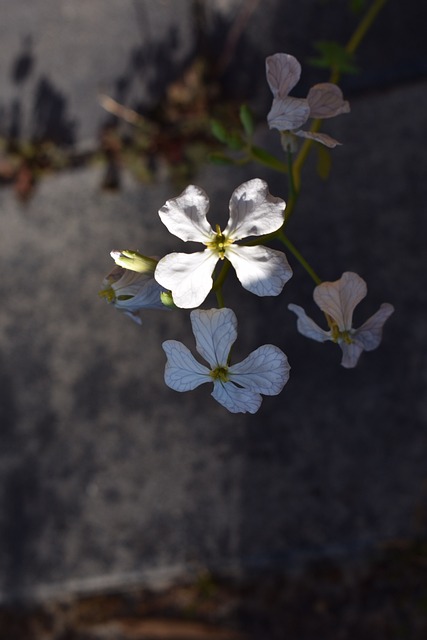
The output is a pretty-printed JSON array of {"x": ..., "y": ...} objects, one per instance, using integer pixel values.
[{"x": 298, "y": 256}]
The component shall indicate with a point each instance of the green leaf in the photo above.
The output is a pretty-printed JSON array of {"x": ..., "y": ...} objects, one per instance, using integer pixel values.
[
  {"x": 247, "y": 120},
  {"x": 219, "y": 131},
  {"x": 220, "y": 158},
  {"x": 332, "y": 55},
  {"x": 264, "y": 157}
]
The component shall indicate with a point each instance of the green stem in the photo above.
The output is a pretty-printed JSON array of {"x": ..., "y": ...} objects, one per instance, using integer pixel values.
[
  {"x": 219, "y": 281},
  {"x": 298, "y": 256}
]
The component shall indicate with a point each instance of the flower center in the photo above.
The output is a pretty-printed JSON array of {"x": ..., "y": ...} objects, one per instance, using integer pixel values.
[
  {"x": 108, "y": 293},
  {"x": 220, "y": 373},
  {"x": 219, "y": 243},
  {"x": 340, "y": 336}
]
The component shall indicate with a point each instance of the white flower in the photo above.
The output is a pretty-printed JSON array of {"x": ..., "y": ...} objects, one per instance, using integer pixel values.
[
  {"x": 130, "y": 291},
  {"x": 338, "y": 301},
  {"x": 237, "y": 387},
  {"x": 253, "y": 212},
  {"x": 324, "y": 100}
]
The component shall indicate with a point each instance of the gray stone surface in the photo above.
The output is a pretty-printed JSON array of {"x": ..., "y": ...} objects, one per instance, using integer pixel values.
[{"x": 109, "y": 476}]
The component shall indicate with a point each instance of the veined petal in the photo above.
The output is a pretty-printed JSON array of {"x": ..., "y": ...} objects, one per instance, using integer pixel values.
[
  {"x": 182, "y": 371},
  {"x": 187, "y": 275},
  {"x": 215, "y": 331},
  {"x": 254, "y": 211},
  {"x": 185, "y": 215},
  {"x": 323, "y": 138},
  {"x": 283, "y": 72},
  {"x": 307, "y": 327},
  {"x": 261, "y": 270},
  {"x": 351, "y": 353},
  {"x": 338, "y": 299},
  {"x": 265, "y": 370},
  {"x": 370, "y": 333},
  {"x": 326, "y": 101},
  {"x": 287, "y": 114},
  {"x": 236, "y": 399}
]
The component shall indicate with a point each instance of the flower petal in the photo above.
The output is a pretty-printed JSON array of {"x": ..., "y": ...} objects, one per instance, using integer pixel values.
[
  {"x": 236, "y": 399},
  {"x": 326, "y": 101},
  {"x": 185, "y": 215},
  {"x": 182, "y": 371},
  {"x": 215, "y": 331},
  {"x": 350, "y": 353},
  {"x": 307, "y": 327},
  {"x": 283, "y": 72},
  {"x": 265, "y": 370},
  {"x": 254, "y": 211},
  {"x": 261, "y": 270},
  {"x": 187, "y": 275},
  {"x": 370, "y": 333},
  {"x": 323, "y": 138},
  {"x": 338, "y": 299},
  {"x": 287, "y": 114}
]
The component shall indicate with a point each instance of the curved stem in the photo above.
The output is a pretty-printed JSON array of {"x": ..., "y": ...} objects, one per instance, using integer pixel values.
[{"x": 303, "y": 262}]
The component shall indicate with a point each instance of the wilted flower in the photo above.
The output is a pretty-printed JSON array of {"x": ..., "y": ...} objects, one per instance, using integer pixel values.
[
  {"x": 253, "y": 212},
  {"x": 237, "y": 387},
  {"x": 287, "y": 114},
  {"x": 130, "y": 290},
  {"x": 338, "y": 301}
]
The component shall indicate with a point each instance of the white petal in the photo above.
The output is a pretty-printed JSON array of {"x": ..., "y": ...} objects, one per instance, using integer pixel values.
[
  {"x": 265, "y": 370},
  {"x": 254, "y": 211},
  {"x": 323, "y": 138},
  {"x": 182, "y": 371},
  {"x": 187, "y": 275},
  {"x": 287, "y": 114},
  {"x": 215, "y": 331},
  {"x": 370, "y": 333},
  {"x": 283, "y": 72},
  {"x": 307, "y": 327},
  {"x": 185, "y": 216},
  {"x": 339, "y": 299},
  {"x": 236, "y": 399},
  {"x": 326, "y": 101},
  {"x": 261, "y": 270}
]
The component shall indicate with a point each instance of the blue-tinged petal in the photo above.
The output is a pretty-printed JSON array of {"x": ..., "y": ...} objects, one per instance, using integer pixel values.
[
  {"x": 188, "y": 276},
  {"x": 182, "y": 371},
  {"x": 283, "y": 72},
  {"x": 351, "y": 353},
  {"x": 307, "y": 327},
  {"x": 185, "y": 215},
  {"x": 261, "y": 270},
  {"x": 236, "y": 399},
  {"x": 288, "y": 114},
  {"x": 338, "y": 299},
  {"x": 215, "y": 331},
  {"x": 265, "y": 370},
  {"x": 370, "y": 333},
  {"x": 254, "y": 211}
]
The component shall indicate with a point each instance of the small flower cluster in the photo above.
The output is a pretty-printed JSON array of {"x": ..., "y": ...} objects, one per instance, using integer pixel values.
[{"x": 184, "y": 280}]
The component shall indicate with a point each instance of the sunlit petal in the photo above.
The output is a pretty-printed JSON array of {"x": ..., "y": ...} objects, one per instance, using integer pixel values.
[
  {"x": 283, "y": 72},
  {"x": 307, "y": 327},
  {"x": 185, "y": 215},
  {"x": 236, "y": 399},
  {"x": 326, "y": 101},
  {"x": 188, "y": 276},
  {"x": 215, "y": 331},
  {"x": 261, "y": 270},
  {"x": 265, "y": 370},
  {"x": 339, "y": 299},
  {"x": 254, "y": 211},
  {"x": 182, "y": 371}
]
